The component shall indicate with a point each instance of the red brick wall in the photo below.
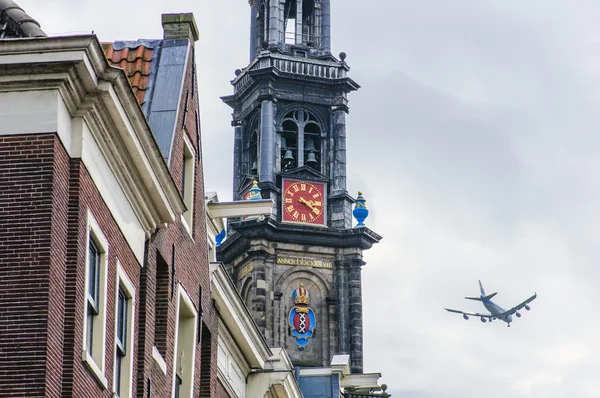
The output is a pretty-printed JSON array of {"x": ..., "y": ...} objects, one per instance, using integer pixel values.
[
  {"x": 191, "y": 266},
  {"x": 44, "y": 200},
  {"x": 26, "y": 199},
  {"x": 84, "y": 383},
  {"x": 221, "y": 392}
]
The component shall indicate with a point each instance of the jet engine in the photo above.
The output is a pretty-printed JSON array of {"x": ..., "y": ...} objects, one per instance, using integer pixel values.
[
  {"x": 518, "y": 314},
  {"x": 483, "y": 320},
  {"x": 466, "y": 317},
  {"x": 527, "y": 307}
]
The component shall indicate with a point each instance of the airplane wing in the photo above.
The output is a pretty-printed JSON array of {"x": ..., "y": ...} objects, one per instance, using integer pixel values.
[
  {"x": 513, "y": 310},
  {"x": 474, "y": 314}
]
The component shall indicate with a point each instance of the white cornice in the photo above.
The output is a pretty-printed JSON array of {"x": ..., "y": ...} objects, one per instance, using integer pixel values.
[
  {"x": 237, "y": 318},
  {"x": 241, "y": 208},
  {"x": 101, "y": 95}
]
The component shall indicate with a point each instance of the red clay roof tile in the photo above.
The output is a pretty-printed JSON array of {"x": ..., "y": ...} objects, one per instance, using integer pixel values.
[{"x": 136, "y": 62}]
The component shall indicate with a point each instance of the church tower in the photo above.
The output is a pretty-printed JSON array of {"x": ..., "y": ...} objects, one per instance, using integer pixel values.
[{"x": 299, "y": 271}]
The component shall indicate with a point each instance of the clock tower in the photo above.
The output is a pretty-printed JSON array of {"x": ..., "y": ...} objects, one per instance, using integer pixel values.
[{"x": 299, "y": 270}]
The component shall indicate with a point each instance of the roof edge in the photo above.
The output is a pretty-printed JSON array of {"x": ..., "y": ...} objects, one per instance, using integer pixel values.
[{"x": 15, "y": 18}]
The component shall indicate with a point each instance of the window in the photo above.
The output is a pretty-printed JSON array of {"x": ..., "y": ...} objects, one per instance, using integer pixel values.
[
  {"x": 94, "y": 323},
  {"x": 290, "y": 21},
  {"x": 254, "y": 154},
  {"x": 124, "y": 335},
  {"x": 187, "y": 182},
  {"x": 93, "y": 292},
  {"x": 121, "y": 341},
  {"x": 178, "y": 383},
  {"x": 185, "y": 346},
  {"x": 300, "y": 140},
  {"x": 161, "y": 305}
]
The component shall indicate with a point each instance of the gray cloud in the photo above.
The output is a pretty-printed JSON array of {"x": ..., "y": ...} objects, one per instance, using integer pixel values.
[{"x": 475, "y": 141}]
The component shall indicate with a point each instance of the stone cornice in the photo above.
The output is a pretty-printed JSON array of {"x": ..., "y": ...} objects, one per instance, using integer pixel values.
[
  {"x": 246, "y": 231},
  {"x": 100, "y": 95}
]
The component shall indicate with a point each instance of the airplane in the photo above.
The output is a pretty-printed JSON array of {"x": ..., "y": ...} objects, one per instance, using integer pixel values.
[{"x": 496, "y": 312}]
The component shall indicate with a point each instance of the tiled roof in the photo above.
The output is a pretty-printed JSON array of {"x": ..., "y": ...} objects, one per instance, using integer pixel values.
[
  {"x": 136, "y": 60},
  {"x": 15, "y": 23}
]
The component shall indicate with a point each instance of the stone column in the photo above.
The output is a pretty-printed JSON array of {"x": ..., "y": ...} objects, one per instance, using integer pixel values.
[
  {"x": 274, "y": 23},
  {"x": 355, "y": 315},
  {"x": 253, "y": 31},
  {"x": 259, "y": 298},
  {"x": 299, "y": 22},
  {"x": 300, "y": 152},
  {"x": 267, "y": 142},
  {"x": 326, "y": 26},
  {"x": 332, "y": 339},
  {"x": 341, "y": 280},
  {"x": 237, "y": 158},
  {"x": 338, "y": 162}
]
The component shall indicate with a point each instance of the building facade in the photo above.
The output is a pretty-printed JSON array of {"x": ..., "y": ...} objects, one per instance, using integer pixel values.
[
  {"x": 104, "y": 274},
  {"x": 299, "y": 270}
]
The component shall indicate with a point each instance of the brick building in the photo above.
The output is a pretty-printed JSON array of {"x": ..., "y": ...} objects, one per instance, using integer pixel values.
[{"x": 104, "y": 272}]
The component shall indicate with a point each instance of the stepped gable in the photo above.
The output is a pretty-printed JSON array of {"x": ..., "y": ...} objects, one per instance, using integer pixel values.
[{"x": 16, "y": 23}]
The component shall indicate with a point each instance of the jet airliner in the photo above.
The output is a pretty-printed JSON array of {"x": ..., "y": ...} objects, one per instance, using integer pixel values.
[{"x": 496, "y": 312}]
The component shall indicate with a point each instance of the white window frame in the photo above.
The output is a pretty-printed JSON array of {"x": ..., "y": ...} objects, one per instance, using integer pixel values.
[
  {"x": 189, "y": 186},
  {"x": 185, "y": 337},
  {"x": 230, "y": 360},
  {"x": 96, "y": 360},
  {"x": 124, "y": 284}
]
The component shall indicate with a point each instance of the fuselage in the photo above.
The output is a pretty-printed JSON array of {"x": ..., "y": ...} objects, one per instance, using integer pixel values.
[{"x": 497, "y": 311}]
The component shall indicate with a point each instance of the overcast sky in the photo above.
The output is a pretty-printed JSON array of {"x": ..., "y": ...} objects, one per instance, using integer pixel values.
[{"x": 475, "y": 139}]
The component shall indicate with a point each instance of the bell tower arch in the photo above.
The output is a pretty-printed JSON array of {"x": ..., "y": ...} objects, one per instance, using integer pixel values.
[{"x": 299, "y": 270}]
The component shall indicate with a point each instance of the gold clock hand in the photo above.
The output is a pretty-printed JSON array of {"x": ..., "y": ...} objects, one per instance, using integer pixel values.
[{"x": 304, "y": 201}]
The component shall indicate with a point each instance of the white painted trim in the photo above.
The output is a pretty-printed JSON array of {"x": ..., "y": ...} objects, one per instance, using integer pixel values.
[
  {"x": 110, "y": 190},
  {"x": 306, "y": 372},
  {"x": 183, "y": 298},
  {"x": 241, "y": 208},
  {"x": 159, "y": 360},
  {"x": 80, "y": 84},
  {"x": 91, "y": 364},
  {"x": 361, "y": 380},
  {"x": 235, "y": 315},
  {"x": 93, "y": 231},
  {"x": 124, "y": 282},
  {"x": 189, "y": 164}
]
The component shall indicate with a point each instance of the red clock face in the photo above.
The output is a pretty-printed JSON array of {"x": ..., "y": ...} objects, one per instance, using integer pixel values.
[{"x": 303, "y": 202}]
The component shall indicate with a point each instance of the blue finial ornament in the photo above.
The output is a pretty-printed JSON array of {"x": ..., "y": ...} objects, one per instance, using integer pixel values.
[
  {"x": 360, "y": 211},
  {"x": 255, "y": 192},
  {"x": 220, "y": 237}
]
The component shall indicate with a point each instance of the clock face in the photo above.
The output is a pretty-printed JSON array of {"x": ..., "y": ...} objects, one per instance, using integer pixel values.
[{"x": 303, "y": 202}]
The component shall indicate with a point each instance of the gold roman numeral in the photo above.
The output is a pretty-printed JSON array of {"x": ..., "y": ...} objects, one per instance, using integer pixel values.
[
  {"x": 295, "y": 215},
  {"x": 296, "y": 189},
  {"x": 316, "y": 195},
  {"x": 288, "y": 200},
  {"x": 303, "y": 217},
  {"x": 290, "y": 208}
]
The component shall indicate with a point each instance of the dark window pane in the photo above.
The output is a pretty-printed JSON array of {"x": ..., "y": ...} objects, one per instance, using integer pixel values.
[
  {"x": 122, "y": 321},
  {"x": 119, "y": 366},
  {"x": 178, "y": 383},
  {"x": 90, "y": 329},
  {"x": 94, "y": 272}
]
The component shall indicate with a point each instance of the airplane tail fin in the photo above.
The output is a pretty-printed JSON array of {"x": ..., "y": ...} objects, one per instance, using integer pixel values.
[{"x": 483, "y": 295}]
